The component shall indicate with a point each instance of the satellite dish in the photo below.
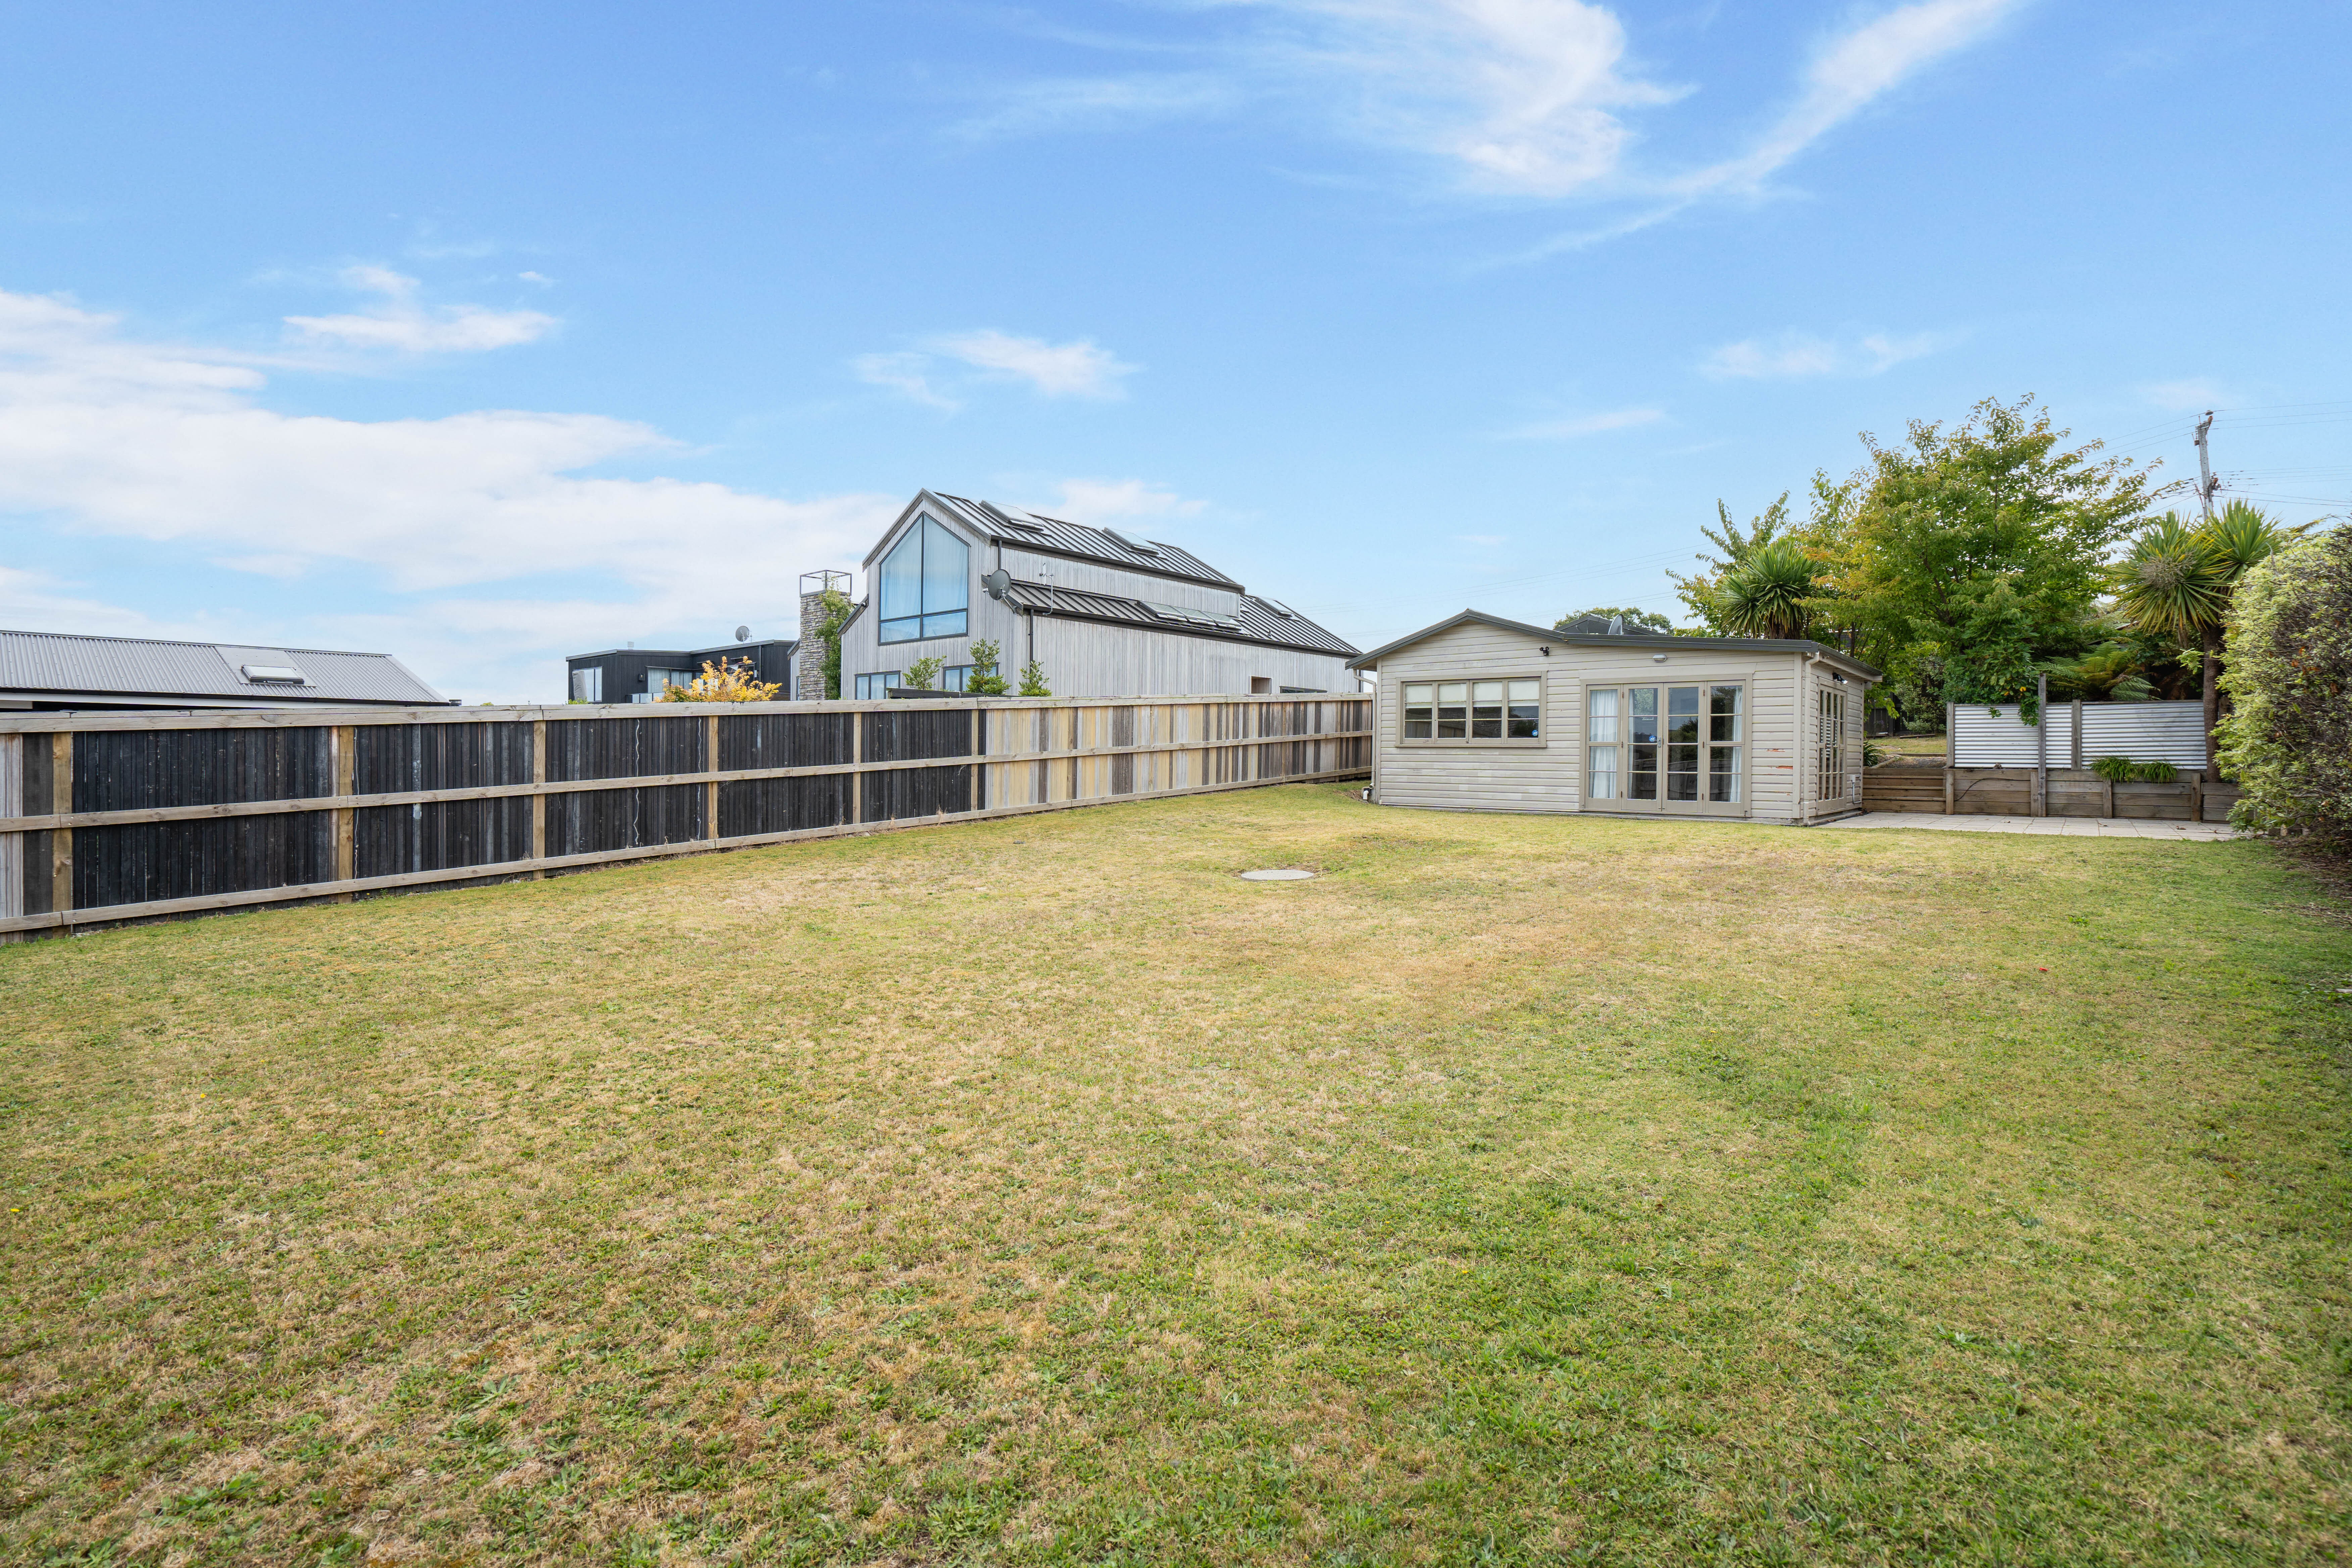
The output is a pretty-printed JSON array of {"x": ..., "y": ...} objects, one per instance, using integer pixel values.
[
  {"x": 996, "y": 582},
  {"x": 742, "y": 634}
]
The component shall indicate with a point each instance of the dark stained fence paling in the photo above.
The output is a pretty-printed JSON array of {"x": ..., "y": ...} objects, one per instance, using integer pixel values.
[{"x": 224, "y": 843}]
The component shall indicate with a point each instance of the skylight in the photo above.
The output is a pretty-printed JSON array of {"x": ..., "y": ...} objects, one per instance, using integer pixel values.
[
  {"x": 1139, "y": 546},
  {"x": 274, "y": 674},
  {"x": 1278, "y": 607}
]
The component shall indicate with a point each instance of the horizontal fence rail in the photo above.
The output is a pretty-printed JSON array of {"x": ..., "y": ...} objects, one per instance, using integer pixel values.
[{"x": 106, "y": 817}]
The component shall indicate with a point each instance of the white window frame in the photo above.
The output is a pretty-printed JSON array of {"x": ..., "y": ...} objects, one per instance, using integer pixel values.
[
  {"x": 1833, "y": 780},
  {"x": 1740, "y": 742},
  {"x": 1470, "y": 682}
]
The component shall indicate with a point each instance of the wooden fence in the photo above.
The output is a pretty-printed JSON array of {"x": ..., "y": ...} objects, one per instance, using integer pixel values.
[{"x": 106, "y": 817}]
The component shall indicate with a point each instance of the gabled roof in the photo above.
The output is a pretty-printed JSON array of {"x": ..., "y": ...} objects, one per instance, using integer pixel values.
[
  {"x": 1652, "y": 641},
  {"x": 1254, "y": 622},
  {"x": 1052, "y": 536},
  {"x": 64, "y": 667}
]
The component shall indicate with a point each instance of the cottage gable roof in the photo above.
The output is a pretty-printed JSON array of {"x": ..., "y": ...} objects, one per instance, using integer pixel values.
[{"x": 1648, "y": 636}]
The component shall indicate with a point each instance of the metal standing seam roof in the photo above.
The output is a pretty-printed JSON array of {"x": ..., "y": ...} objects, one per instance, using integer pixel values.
[
  {"x": 1254, "y": 624},
  {"x": 1007, "y": 525},
  {"x": 67, "y": 664}
]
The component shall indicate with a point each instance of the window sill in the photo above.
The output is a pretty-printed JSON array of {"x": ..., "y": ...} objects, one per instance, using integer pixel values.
[{"x": 1436, "y": 745}]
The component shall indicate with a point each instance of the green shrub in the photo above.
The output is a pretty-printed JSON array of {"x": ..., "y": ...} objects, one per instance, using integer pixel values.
[
  {"x": 2288, "y": 738},
  {"x": 923, "y": 674},
  {"x": 2154, "y": 773},
  {"x": 1032, "y": 681},
  {"x": 983, "y": 680},
  {"x": 2114, "y": 770}
]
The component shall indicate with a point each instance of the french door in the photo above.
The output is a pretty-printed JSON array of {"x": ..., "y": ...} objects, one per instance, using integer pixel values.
[{"x": 1681, "y": 749}]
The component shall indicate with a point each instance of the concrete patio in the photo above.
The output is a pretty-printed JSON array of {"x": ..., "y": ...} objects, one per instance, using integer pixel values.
[{"x": 2069, "y": 826}]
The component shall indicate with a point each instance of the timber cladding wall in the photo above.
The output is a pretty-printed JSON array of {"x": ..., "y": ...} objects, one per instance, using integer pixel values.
[{"x": 109, "y": 818}]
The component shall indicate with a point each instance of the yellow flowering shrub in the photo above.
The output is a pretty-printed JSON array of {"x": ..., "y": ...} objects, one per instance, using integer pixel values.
[{"x": 721, "y": 683}]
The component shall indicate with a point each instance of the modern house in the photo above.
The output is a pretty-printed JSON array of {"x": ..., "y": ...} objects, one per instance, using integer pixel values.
[
  {"x": 638, "y": 674},
  {"x": 1105, "y": 612},
  {"x": 1479, "y": 713},
  {"x": 59, "y": 671}
]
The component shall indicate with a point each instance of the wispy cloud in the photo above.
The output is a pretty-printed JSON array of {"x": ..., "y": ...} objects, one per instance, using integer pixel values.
[
  {"x": 935, "y": 373},
  {"x": 908, "y": 374},
  {"x": 1534, "y": 99},
  {"x": 1852, "y": 72},
  {"x": 401, "y": 322},
  {"x": 1793, "y": 356},
  {"x": 1585, "y": 425}
]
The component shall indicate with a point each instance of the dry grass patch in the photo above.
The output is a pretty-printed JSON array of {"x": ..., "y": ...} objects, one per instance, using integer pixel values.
[{"x": 1518, "y": 1190}]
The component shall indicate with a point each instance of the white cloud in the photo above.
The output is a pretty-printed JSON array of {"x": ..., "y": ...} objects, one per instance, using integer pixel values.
[
  {"x": 1522, "y": 94},
  {"x": 104, "y": 434},
  {"x": 1795, "y": 355},
  {"x": 400, "y": 322},
  {"x": 1586, "y": 425},
  {"x": 1081, "y": 368},
  {"x": 1098, "y": 501},
  {"x": 1849, "y": 73}
]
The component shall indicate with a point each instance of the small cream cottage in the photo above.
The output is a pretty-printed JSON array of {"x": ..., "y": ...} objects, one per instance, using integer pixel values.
[{"x": 1478, "y": 713}]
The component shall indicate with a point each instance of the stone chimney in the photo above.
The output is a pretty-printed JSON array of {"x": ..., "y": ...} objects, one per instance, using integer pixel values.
[{"x": 811, "y": 654}]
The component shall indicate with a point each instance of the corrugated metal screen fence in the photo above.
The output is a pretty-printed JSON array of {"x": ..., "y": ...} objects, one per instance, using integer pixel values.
[
  {"x": 133, "y": 816},
  {"x": 1997, "y": 737}
]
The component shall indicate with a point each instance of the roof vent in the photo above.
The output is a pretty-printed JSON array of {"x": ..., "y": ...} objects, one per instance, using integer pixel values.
[
  {"x": 1278, "y": 607},
  {"x": 273, "y": 674},
  {"x": 1137, "y": 545}
]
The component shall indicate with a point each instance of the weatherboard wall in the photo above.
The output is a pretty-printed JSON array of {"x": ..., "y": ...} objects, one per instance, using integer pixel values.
[{"x": 1549, "y": 778}]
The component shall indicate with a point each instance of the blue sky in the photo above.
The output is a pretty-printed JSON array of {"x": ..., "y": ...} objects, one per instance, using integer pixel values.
[{"x": 480, "y": 335}]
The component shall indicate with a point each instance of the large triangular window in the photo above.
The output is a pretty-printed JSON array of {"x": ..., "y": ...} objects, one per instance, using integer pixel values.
[{"x": 925, "y": 588}]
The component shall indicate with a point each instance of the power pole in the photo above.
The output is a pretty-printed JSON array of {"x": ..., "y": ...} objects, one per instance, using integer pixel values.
[{"x": 2206, "y": 483}]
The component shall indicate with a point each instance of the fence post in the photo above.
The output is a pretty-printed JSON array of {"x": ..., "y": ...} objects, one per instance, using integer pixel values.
[
  {"x": 12, "y": 845},
  {"x": 710, "y": 790},
  {"x": 1951, "y": 712},
  {"x": 344, "y": 739},
  {"x": 62, "y": 839},
  {"x": 2039, "y": 805},
  {"x": 857, "y": 755},
  {"x": 539, "y": 798}
]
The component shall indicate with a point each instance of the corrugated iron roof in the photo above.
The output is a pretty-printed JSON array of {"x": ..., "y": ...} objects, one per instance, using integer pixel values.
[
  {"x": 1254, "y": 623},
  {"x": 1010, "y": 525},
  {"x": 50, "y": 666}
]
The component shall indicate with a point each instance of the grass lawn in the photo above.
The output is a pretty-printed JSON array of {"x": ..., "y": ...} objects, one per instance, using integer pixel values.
[
  {"x": 1911, "y": 745},
  {"x": 1521, "y": 1190}
]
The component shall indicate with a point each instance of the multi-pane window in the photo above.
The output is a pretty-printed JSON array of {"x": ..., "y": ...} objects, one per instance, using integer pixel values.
[
  {"x": 876, "y": 687},
  {"x": 657, "y": 678},
  {"x": 1830, "y": 781},
  {"x": 588, "y": 685},
  {"x": 1472, "y": 712},
  {"x": 925, "y": 588},
  {"x": 954, "y": 677},
  {"x": 1665, "y": 743}
]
